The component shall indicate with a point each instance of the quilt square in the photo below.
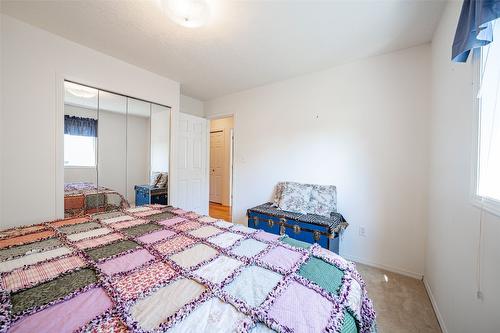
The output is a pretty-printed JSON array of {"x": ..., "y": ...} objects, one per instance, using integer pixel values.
[
  {"x": 218, "y": 269},
  {"x": 194, "y": 255},
  {"x": 161, "y": 216},
  {"x": 121, "y": 218},
  {"x": 147, "y": 213},
  {"x": 21, "y": 231},
  {"x": 253, "y": 285},
  {"x": 76, "y": 228},
  {"x": 207, "y": 219},
  {"x": 323, "y": 274},
  {"x": 133, "y": 285},
  {"x": 223, "y": 224},
  {"x": 156, "y": 236},
  {"x": 225, "y": 240},
  {"x": 60, "y": 223},
  {"x": 111, "y": 324},
  {"x": 19, "y": 240},
  {"x": 111, "y": 249},
  {"x": 205, "y": 231},
  {"x": 34, "y": 258},
  {"x": 192, "y": 216},
  {"x": 95, "y": 242},
  {"x": 21, "y": 250},
  {"x": 140, "y": 230},
  {"x": 301, "y": 309},
  {"x": 88, "y": 234},
  {"x": 23, "y": 278},
  {"x": 331, "y": 257},
  {"x": 243, "y": 229},
  {"x": 281, "y": 257},
  {"x": 128, "y": 224},
  {"x": 179, "y": 211},
  {"x": 249, "y": 248},
  {"x": 172, "y": 221},
  {"x": 161, "y": 207},
  {"x": 155, "y": 309},
  {"x": 50, "y": 291},
  {"x": 61, "y": 317},
  {"x": 139, "y": 209},
  {"x": 211, "y": 316},
  {"x": 126, "y": 262},
  {"x": 266, "y": 236},
  {"x": 354, "y": 298},
  {"x": 187, "y": 226},
  {"x": 295, "y": 243},
  {"x": 108, "y": 215},
  {"x": 349, "y": 323},
  {"x": 173, "y": 245}
]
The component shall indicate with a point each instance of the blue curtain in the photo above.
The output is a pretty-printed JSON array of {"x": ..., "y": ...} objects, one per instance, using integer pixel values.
[
  {"x": 80, "y": 126},
  {"x": 474, "y": 27}
]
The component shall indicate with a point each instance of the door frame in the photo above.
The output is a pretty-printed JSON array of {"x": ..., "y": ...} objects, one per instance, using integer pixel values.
[{"x": 231, "y": 159}]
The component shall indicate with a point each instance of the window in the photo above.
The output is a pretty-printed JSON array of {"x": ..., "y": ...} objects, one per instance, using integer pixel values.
[
  {"x": 487, "y": 189},
  {"x": 79, "y": 151}
]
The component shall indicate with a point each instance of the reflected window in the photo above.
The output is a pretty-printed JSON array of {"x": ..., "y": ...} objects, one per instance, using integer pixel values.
[{"x": 79, "y": 151}]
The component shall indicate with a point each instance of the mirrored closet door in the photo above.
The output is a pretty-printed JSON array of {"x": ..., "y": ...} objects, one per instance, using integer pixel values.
[
  {"x": 116, "y": 151},
  {"x": 112, "y": 153}
]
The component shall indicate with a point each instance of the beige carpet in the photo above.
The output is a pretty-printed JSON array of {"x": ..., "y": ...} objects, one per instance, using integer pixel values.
[{"x": 401, "y": 303}]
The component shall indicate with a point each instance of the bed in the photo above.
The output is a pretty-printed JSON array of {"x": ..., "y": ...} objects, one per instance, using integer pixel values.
[
  {"x": 157, "y": 268},
  {"x": 82, "y": 198}
]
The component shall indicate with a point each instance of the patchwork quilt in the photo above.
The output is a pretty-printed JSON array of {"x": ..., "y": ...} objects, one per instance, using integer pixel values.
[
  {"x": 82, "y": 198},
  {"x": 158, "y": 268}
]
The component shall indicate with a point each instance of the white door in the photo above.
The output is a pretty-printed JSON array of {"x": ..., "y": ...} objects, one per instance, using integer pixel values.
[
  {"x": 216, "y": 165},
  {"x": 191, "y": 164}
]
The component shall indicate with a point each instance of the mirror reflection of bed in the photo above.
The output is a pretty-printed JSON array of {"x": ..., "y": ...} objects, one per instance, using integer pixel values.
[{"x": 116, "y": 151}]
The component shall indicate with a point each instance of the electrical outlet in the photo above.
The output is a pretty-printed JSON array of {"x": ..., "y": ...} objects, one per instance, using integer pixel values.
[{"x": 362, "y": 231}]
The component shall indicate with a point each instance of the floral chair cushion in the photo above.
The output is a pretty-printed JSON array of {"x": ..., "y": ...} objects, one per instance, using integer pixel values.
[
  {"x": 323, "y": 200},
  {"x": 295, "y": 197},
  {"x": 278, "y": 190}
]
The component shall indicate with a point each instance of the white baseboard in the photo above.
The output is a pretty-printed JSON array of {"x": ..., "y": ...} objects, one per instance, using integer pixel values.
[
  {"x": 414, "y": 275},
  {"x": 435, "y": 307}
]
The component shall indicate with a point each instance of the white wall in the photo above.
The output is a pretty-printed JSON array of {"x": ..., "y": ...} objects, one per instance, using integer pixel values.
[
  {"x": 225, "y": 124},
  {"x": 76, "y": 174},
  {"x": 32, "y": 61},
  {"x": 453, "y": 230},
  {"x": 362, "y": 127},
  {"x": 192, "y": 106},
  {"x": 160, "y": 139}
]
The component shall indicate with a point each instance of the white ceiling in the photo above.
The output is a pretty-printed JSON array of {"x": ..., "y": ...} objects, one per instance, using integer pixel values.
[{"x": 245, "y": 44}]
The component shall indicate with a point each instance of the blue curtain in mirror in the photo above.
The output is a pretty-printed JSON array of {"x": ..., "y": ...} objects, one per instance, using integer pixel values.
[
  {"x": 80, "y": 126},
  {"x": 474, "y": 27}
]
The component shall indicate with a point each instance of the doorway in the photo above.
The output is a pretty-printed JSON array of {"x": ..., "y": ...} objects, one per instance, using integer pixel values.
[{"x": 221, "y": 168}]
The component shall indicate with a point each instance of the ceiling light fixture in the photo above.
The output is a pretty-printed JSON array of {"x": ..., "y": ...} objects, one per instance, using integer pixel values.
[
  {"x": 188, "y": 13},
  {"x": 79, "y": 90}
]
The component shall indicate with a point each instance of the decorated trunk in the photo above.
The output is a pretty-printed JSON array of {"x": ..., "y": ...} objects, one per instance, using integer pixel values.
[{"x": 309, "y": 228}]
